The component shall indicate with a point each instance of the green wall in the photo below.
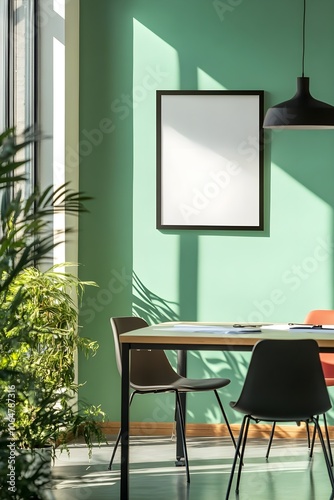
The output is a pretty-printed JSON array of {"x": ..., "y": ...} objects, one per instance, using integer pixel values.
[{"x": 128, "y": 50}]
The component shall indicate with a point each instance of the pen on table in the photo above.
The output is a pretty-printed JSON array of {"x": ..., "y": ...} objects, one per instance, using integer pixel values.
[
  {"x": 246, "y": 326},
  {"x": 306, "y": 326}
]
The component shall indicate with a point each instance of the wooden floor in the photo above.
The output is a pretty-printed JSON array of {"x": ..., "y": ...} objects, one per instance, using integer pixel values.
[{"x": 289, "y": 474}]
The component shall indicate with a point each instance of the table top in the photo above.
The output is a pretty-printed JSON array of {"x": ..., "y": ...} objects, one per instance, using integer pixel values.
[{"x": 216, "y": 334}]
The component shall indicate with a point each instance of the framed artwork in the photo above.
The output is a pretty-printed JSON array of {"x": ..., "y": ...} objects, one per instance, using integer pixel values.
[{"x": 210, "y": 160}]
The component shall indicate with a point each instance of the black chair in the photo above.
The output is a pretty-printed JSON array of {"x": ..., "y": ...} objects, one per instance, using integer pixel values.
[
  {"x": 151, "y": 372},
  {"x": 284, "y": 383},
  {"x": 317, "y": 317}
]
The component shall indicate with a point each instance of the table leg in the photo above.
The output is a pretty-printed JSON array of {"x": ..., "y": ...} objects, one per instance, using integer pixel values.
[
  {"x": 125, "y": 423},
  {"x": 182, "y": 370}
]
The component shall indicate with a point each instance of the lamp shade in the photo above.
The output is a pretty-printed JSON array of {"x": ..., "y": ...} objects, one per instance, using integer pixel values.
[{"x": 301, "y": 112}]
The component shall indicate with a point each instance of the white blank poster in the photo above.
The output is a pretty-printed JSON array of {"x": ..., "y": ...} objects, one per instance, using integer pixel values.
[{"x": 210, "y": 160}]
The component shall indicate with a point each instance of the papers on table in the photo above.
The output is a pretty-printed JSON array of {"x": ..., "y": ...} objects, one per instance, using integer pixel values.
[
  {"x": 299, "y": 327},
  {"x": 244, "y": 328},
  {"x": 320, "y": 328},
  {"x": 249, "y": 328}
]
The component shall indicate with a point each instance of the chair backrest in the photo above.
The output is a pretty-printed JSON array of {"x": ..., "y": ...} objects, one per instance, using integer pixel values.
[
  {"x": 285, "y": 381},
  {"x": 121, "y": 325},
  {"x": 320, "y": 316},
  {"x": 324, "y": 317},
  {"x": 148, "y": 368}
]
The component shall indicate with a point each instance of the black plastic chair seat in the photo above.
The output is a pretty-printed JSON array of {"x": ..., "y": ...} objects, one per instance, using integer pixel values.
[
  {"x": 183, "y": 384},
  {"x": 190, "y": 384},
  {"x": 266, "y": 416}
]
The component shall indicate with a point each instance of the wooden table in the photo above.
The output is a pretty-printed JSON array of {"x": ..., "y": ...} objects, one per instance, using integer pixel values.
[{"x": 199, "y": 337}]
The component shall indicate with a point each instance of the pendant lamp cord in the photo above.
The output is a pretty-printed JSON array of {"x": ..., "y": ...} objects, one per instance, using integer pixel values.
[{"x": 303, "y": 54}]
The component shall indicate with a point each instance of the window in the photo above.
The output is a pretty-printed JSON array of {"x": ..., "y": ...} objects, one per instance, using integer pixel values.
[
  {"x": 32, "y": 36},
  {"x": 3, "y": 62},
  {"x": 18, "y": 74}
]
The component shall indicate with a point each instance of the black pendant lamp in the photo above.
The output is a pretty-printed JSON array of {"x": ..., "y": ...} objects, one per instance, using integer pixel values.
[{"x": 302, "y": 111}]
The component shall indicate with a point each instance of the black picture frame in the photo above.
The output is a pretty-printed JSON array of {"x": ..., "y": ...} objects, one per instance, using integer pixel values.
[{"x": 210, "y": 159}]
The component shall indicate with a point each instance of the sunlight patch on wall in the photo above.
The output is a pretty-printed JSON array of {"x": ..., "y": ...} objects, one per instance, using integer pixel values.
[
  {"x": 206, "y": 82},
  {"x": 294, "y": 202},
  {"x": 155, "y": 64},
  {"x": 292, "y": 268},
  {"x": 155, "y": 67}
]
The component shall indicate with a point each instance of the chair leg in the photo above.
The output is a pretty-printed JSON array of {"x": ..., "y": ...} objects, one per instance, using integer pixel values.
[
  {"x": 270, "y": 439},
  {"x": 330, "y": 456},
  {"x": 242, "y": 455},
  {"x": 225, "y": 418},
  {"x": 313, "y": 441},
  {"x": 272, "y": 435},
  {"x": 328, "y": 464},
  {"x": 183, "y": 433},
  {"x": 119, "y": 436},
  {"x": 114, "y": 450},
  {"x": 240, "y": 441},
  {"x": 308, "y": 435}
]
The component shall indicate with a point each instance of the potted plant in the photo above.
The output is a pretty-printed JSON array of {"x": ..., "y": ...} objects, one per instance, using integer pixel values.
[
  {"x": 48, "y": 412},
  {"x": 38, "y": 331}
]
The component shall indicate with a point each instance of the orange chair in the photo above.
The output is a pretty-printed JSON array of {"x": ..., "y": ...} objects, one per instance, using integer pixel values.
[{"x": 324, "y": 317}]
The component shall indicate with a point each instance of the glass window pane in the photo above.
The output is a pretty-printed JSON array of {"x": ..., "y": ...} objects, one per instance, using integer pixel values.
[
  {"x": 22, "y": 95},
  {"x": 3, "y": 62}
]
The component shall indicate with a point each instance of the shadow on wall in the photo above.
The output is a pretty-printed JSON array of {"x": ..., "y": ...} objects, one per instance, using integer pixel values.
[
  {"x": 150, "y": 306},
  {"x": 201, "y": 364}
]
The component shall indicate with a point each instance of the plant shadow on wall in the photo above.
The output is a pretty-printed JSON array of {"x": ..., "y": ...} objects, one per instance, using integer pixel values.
[
  {"x": 201, "y": 364},
  {"x": 149, "y": 306},
  {"x": 38, "y": 333}
]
